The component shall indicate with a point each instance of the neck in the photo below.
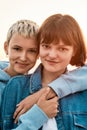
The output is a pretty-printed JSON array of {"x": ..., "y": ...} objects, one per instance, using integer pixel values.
[
  {"x": 48, "y": 77},
  {"x": 9, "y": 72}
]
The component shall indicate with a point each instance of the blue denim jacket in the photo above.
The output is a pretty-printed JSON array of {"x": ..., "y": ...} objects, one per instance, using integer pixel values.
[
  {"x": 72, "y": 109},
  {"x": 12, "y": 95},
  {"x": 4, "y": 64},
  {"x": 73, "y": 112}
]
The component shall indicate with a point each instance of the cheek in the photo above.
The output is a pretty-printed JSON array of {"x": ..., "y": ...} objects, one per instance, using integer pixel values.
[
  {"x": 43, "y": 52},
  {"x": 32, "y": 58},
  {"x": 12, "y": 55},
  {"x": 69, "y": 57}
]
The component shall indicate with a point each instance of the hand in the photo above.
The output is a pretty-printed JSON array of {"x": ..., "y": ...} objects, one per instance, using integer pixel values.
[
  {"x": 51, "y": 93},
  {"x": 27, "y": 103},
  {"x": 24, "y": 106},
  {"x": 50, "y": 107}
]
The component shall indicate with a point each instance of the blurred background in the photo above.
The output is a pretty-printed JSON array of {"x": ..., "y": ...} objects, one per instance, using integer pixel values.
[{"x": 38, "y": 11}]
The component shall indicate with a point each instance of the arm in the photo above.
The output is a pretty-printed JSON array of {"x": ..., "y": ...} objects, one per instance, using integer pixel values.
[
  {"x": 66, "y": 84},
  {"x": 43, "y": 110},
  {"x": 70, "y": 82},
  {"x": 28, "y": 121},
  {"x": 29, "y": 101},
  {"x": 4, "y": 64}
]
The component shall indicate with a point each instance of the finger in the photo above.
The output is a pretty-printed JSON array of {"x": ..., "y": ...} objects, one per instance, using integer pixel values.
[
  {"x": 18, "y": 109},
  {"x": 54, "y": 99},
  {"x": 18, "y": 115},
  {"x": 44, "y": 95},
  {"x": 18, "y": 105}
]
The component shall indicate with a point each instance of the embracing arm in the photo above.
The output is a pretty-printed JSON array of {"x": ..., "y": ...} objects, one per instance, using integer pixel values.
[
  {"x": 34, "y": 118},
  {"x": 70, "y": 82}
]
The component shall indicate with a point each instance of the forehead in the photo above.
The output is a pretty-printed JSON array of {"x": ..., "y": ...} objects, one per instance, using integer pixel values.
[
  {"x": 60, "y": 43},
  {"x": 57, "y": 42},
  {"x": 22, "y": 41}
]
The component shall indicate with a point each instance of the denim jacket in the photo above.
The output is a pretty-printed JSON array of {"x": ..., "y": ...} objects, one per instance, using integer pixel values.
[
  {"x": 12, "y": 95},
  {"x": 4, "y": 77},
  {"x": 73, "y": 112},
  {"x": 72, "y": 109},
  {"x": 4, "y": 64}
]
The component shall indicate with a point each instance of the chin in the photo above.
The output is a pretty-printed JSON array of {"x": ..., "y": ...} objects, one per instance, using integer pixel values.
[{"x": 21, "y": 72}]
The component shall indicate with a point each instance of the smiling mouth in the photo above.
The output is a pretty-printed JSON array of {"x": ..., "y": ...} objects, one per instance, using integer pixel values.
[
  {"x": 51, "y": 61},
  {"x": 21, "y": 64}
]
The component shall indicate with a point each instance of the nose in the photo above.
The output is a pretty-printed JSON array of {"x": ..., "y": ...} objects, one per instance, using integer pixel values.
[
  {"x": 53, "y": 53},
  {"x": 23, "y": 56}
]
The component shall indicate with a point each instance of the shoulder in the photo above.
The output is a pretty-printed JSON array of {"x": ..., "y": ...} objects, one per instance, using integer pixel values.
[
  {"x": 19, "y": 80},
  {"x": 4, "y": 64},
  {"x": 18, "y": 84}
]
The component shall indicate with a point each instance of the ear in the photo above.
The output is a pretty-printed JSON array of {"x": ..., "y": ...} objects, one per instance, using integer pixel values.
[{"x": 6, "y": 47}]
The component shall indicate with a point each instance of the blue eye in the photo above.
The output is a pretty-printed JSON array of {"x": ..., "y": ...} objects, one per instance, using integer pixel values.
[
  {"x": 45, "y": 46},
  {"x": 16, "y": 48},
  {"x": 32, "y": 51},
  {"x": 62, "y": 49}
]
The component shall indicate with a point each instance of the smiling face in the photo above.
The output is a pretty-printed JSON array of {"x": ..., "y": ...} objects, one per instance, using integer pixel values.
[
  {"x": 22, "y": 53},
  {"x": 56, "y": 57},
  {"x": 61, "y": 43}
]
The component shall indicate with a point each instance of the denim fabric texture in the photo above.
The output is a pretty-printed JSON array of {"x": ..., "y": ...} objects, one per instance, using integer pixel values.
[
  {"x": 12, "y": 95},
  {"x": 4, "y": 64},
  {"x": 72, "y": 109}
]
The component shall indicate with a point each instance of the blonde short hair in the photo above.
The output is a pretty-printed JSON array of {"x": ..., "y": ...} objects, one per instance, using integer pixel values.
[{"x": 26, "y": 28}]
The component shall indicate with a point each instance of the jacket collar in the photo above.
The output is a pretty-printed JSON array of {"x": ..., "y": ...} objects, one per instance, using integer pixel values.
[
  {"x": 35, "y": 80},
  {"x": 4, "y": 76}
]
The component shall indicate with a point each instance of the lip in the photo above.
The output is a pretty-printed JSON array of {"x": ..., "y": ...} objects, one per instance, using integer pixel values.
[
  {"x": 51, "y": 61},
  {"x": 22, "y": 64}
]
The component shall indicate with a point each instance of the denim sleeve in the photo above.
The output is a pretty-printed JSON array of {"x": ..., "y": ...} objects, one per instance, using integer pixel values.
[
  {"x": 70, "y": 82},
  {"x": 32, "y": 119}
]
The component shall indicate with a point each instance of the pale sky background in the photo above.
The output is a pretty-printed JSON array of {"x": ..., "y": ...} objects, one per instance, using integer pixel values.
[{"x": 38, "y": 10}]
